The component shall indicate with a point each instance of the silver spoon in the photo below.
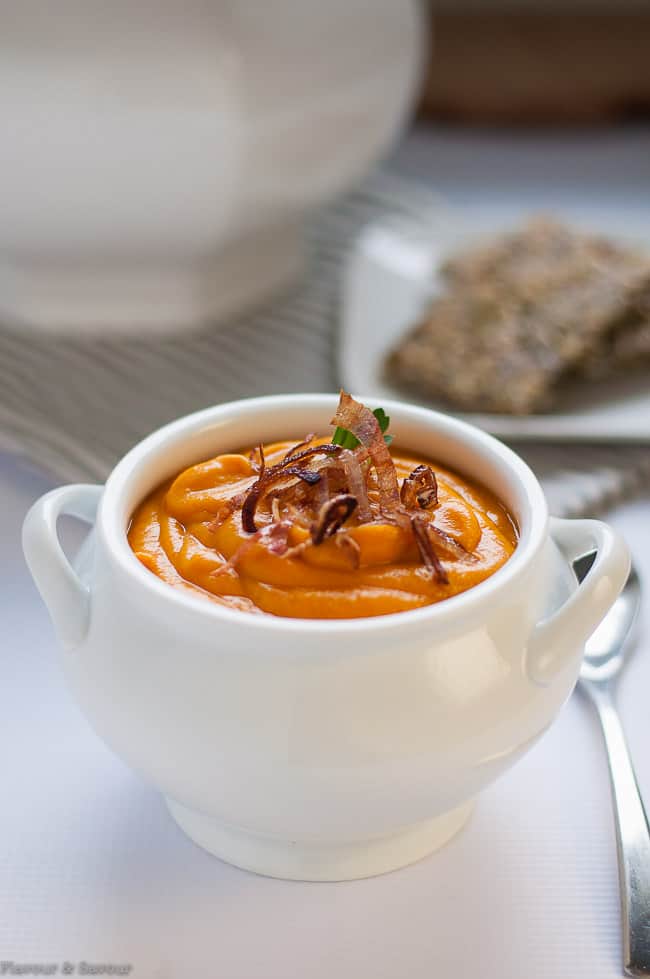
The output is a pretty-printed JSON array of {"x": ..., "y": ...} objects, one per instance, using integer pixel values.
[{"x": 605, "y": 656}]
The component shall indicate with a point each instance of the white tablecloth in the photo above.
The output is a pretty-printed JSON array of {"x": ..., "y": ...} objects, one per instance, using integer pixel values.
[{"x": 93, "y": 869}]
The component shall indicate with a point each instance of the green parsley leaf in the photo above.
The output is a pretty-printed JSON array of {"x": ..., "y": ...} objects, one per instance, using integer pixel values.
[
  {"x": 345, "y": 439},
  {"x": 382, "y": 418},
  {"x": 349, "y": 441}
]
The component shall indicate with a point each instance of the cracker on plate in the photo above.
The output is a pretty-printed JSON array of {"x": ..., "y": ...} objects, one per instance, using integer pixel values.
[{"x": 517, "y": 315}]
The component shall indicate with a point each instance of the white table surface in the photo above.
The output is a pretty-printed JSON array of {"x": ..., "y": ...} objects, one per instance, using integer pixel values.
[{"x": 92, "y": 868}]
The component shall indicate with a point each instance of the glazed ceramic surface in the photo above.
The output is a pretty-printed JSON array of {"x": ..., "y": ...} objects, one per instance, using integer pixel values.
[
  {"x": 311, "y": 749},
  {"x": 163, "y": 157}
]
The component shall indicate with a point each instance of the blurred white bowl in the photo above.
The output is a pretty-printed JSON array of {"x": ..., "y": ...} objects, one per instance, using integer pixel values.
[{"x": 160, "y": 157}]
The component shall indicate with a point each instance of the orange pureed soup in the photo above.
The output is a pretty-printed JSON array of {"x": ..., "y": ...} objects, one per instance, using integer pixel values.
[{"x": 318, "y": 530}]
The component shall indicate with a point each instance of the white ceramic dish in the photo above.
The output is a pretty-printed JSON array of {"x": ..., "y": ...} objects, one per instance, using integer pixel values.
[
  {"x": 160, "y": 170},
  {"x": 390, "y": 278},
  {"x": 319, "y": 750}
]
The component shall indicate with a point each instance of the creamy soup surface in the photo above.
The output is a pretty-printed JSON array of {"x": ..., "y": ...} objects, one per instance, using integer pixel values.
[{"x": 308, "y": 529}]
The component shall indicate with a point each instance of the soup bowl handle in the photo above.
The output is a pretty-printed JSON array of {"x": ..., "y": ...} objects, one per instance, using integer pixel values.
[
  {"x": 555, "y": 640},
  {"x": 66, "y": 596}
]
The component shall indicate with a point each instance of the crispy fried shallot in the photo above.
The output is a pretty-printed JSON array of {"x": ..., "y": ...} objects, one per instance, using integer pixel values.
[
  {"x": 356, "y": 418},
  {"x": 430, "y": 559},
  {"x": 356, "y": 482},
  {"x": 228, "y": 505},
  {"x": 274, "y": 536},
  {"x": 273, "y": 475},
  {"x": 225, "y": 511},
  {"x": 277, "y": 473},
  {"x": 420, "y": 488},
  {"x": 257, "y": 460},
  {"x": 299, "y": 445},
  {"x": 451, "y": 547},
  {"x": 331, "y": 517},
  {"x": 350, "y": 549},
  {"x": 362, "y": 480},
  {"x": 326, "y": 449}
]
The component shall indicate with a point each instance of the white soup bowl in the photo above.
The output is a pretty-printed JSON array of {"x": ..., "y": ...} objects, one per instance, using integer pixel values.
[{"x": 319, "y": 749}]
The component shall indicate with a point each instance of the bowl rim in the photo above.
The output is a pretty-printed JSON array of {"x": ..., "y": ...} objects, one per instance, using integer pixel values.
[{"x": 114, "y": 535}]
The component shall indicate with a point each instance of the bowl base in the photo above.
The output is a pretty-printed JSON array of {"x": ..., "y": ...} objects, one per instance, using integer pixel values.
[
  {"x": 144, "y": 296},
  {"x": 318, "y": 860}
]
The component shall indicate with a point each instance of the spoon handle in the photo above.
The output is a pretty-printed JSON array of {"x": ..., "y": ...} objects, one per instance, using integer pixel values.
[{"x": 632, "y": 836}]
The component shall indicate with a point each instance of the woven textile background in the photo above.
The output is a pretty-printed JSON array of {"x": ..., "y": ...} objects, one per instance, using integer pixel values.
[{"x": 74, "y": 405}]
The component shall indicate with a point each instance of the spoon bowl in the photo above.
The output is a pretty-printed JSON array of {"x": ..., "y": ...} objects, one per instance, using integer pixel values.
[{"x": 609, "y": 647}]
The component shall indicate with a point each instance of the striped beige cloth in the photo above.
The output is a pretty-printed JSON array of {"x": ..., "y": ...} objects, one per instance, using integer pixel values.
[{"x": 74, "y": 405}]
